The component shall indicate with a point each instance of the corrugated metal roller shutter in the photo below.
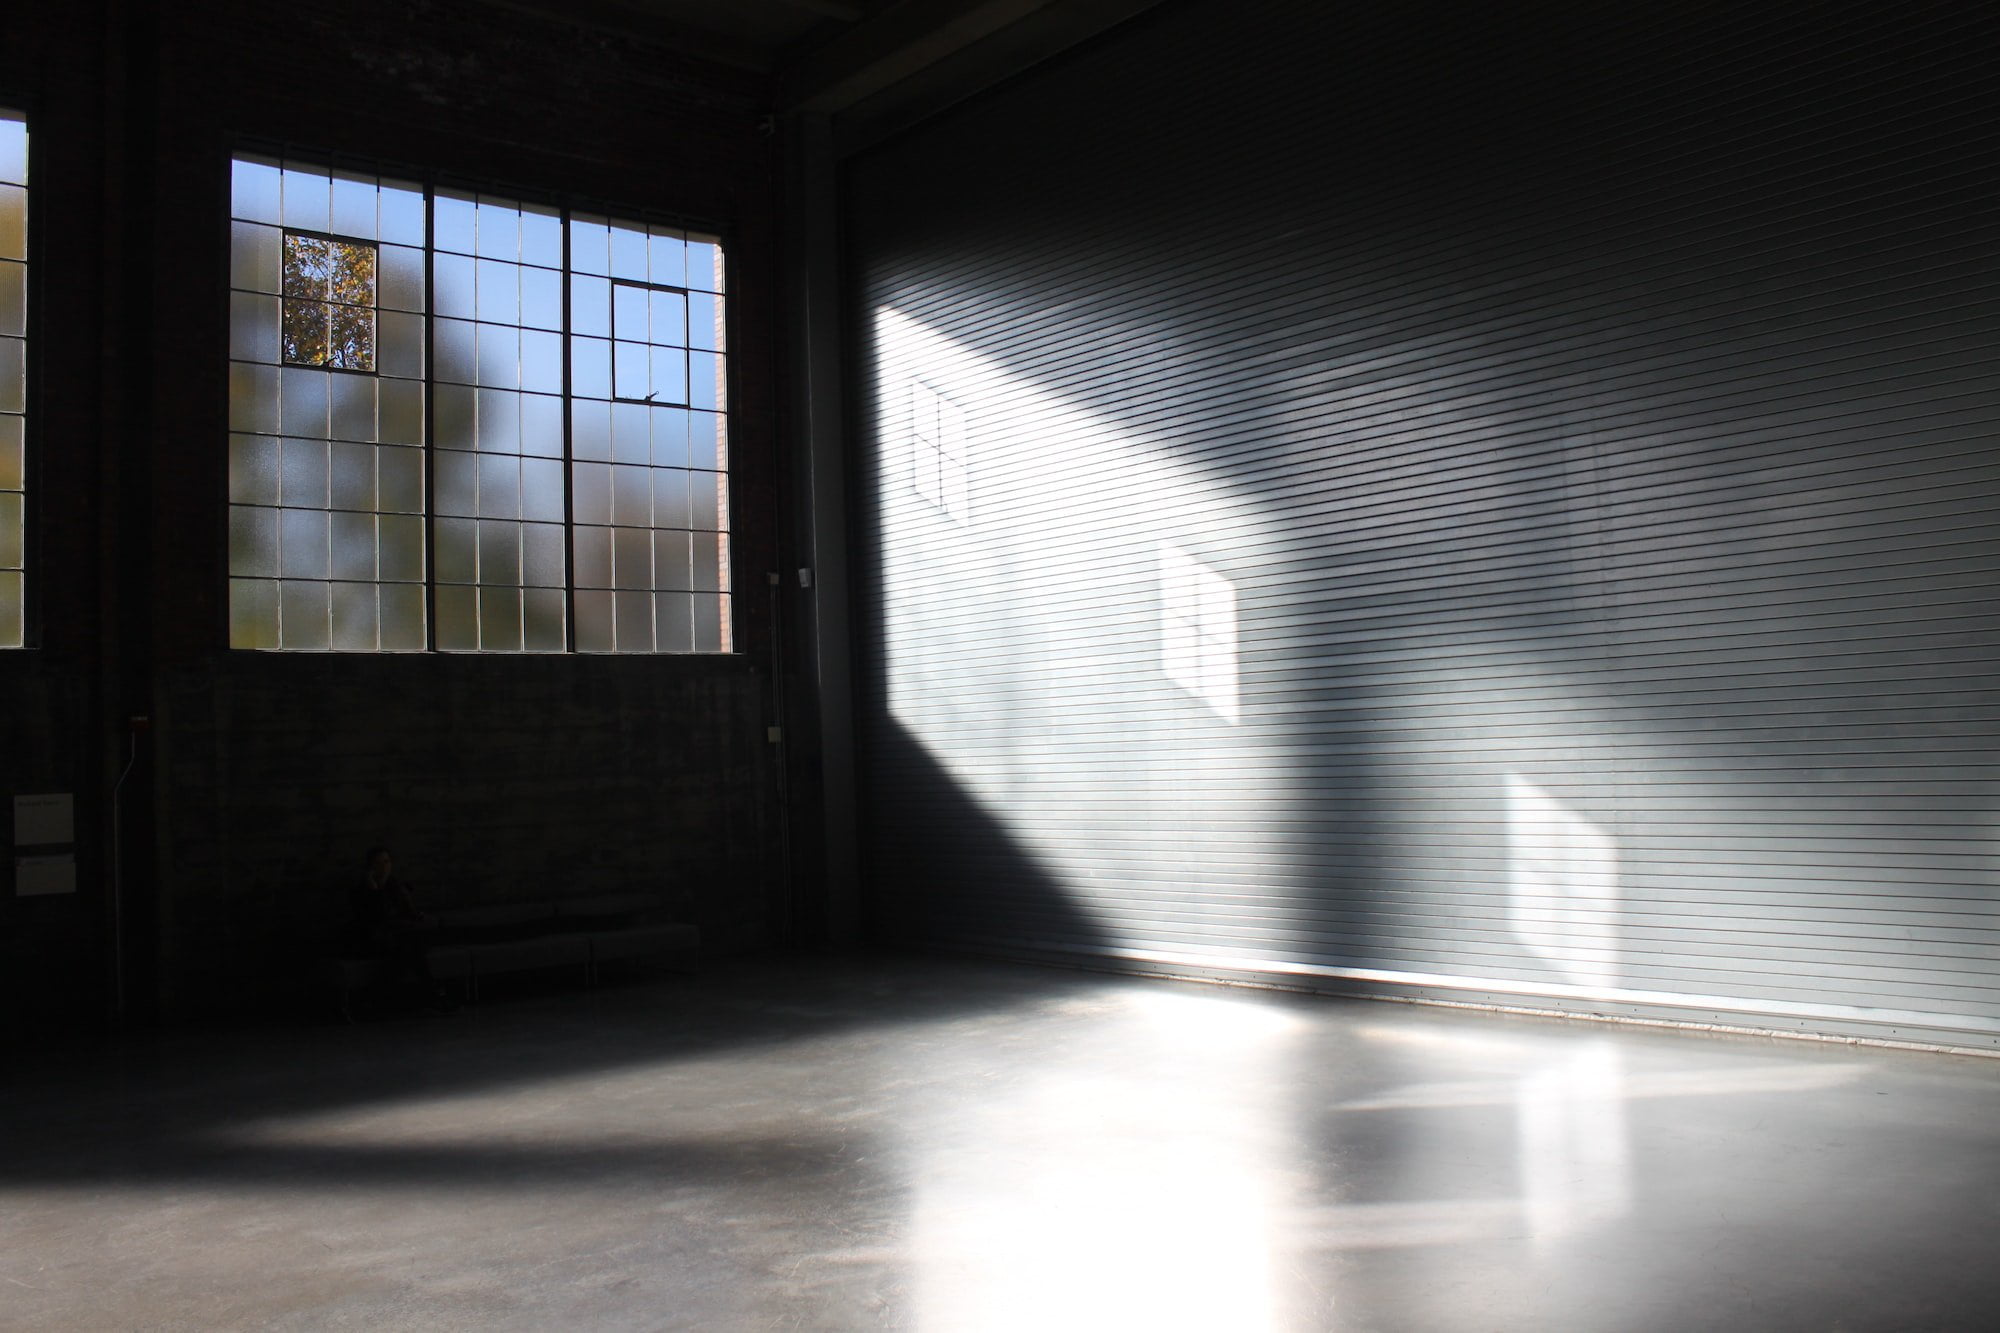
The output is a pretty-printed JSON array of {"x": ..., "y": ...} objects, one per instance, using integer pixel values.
[{"x": 1494, "y": 501}]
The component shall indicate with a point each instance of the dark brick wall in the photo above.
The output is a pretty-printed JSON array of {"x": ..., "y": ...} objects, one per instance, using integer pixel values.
[{"x": 262, "y": 777}]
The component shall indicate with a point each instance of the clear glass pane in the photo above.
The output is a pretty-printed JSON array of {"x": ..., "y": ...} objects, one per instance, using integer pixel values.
[
  {"x": 253, "y": 257},
  {"x": 307, "y": 333},
  {"x": 499, "y": 230},
  {"x": 402, "y": 548},
  {"x": 308, "y": 199},
  {"x": 669, "y": 436},
  {"x": 354, "y": 407},
  {"x": 303, "y": 612},
  {"x": 354, "y": 205},
  {"x": 253, "y": 470},
  {"x": 303, "y": 400},
  {"x": 590, "y": 367},
  {"x": 402, "y": 278},
  {"x": 590, "y": 497},
  {"x": 673, "y": 622},
  {"x": 499, "y": 486},
  {"x": 253, "y": 541},
  {"x": 456, "y": 476},
  {"x": 303, "y": 474},
  {"x": 590, "y": 429},
  {"x": 499, "y": 292},
  {"x": 704, "y": 264},
  {"x": 499, "y": 620},
  {"x": 589, "y": 244},
  {"x": 354, "y": 621},
  {"x": 400, "y": 477},
  {"x": 541, "y": 361},
  {"x": 351, "y": 279},
  {"x": 705, "y": 326},
  {"x": 671, "y": 562},
  {"x": 458, "y": 619},
  {"x": 542, "y": 626},
  {"x": 401, "y": 412},
  {"x": 593, "y": 557},
  {"x": 542, "y": 561},
  {"x": 632, "y": 558},
  {"x": 401, "y": 345},
  {"x": 711, "y": 621},
  {"x": 499, "y": 421},
  {"x": 457, "y": 417},
  {"x": 402, "y": 617},
  {"x": 590, "y": 306},
  {"x": 708, "y": 440},
  {"x": 351, "y": 345},
  {"x": 253, "y": 325},
  {"x": 453, "y": 221},
  {"x": 669, "y": 374},
  {"x": 631, "y": 433},
  {"x": 541, "y": 236},
  {"x": 593, "y": 622},
  {"x": 500, "y": 553},
  {"x": 353, "y": 476},
  {"x": 354, "y": 547},
  {"x": 633, "y": 370},
  {"x": 628, "y": 313},
  {"x": 542, "y": 489},
  {"x": 541, "y": 425},
  {"x": 254, "y": 190},
  {"x": 13, "y": 147},
  {"x": 541, "y": 298},
  {"x": 631, "y": 496},
  {"x": 457, "y": 550},
  {"x": 667, "y": 318},
  {"x": 628, "y": 252},
  {"x": 666, "y": 258},
  {"x": 499, "y": 356},
  {"x": 305, "y": 546},
  {"x": 705, "y": 380},
  {"x": 401, "y": 209},
  {"x": 455, "y": 290},
  {"x": 253, "y": 613},
  {"x": 634, "y": 630}
]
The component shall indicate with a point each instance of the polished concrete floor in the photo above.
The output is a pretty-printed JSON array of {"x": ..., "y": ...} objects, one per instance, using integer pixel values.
[{"x": 938, "y": 1144}]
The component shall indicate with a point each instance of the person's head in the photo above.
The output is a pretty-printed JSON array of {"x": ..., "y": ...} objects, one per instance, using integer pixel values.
[{"x": 378, "y": 863}]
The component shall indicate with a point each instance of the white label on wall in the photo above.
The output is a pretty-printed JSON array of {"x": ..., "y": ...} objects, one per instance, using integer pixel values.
[{"x": 42, "y": 820}]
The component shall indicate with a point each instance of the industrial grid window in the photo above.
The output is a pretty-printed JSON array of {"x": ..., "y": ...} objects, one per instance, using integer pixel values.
[
  {"x": 13, "y": 378},
  {"x": 471, "y": 423}
]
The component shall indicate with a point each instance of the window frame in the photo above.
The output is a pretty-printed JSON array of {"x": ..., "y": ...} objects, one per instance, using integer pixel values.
[{"x": 24, "y": 111}]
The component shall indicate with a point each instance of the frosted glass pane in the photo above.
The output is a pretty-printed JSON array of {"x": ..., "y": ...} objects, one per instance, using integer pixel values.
[
  {"x": 499, "y": 292},
  {"x": 402, "y": 618},
  {"x": 542, "y": 489},
  {"x": 354, "y": 205},
  {"x": 593, "y": 557},
  {"x": 670, "y": 372},
  {"x": 666, "y": 256},
  {"x": 499, "y": 421},
  {"x": 628, "y": 253},
  {"x": 590, "y": 497},
  {"x": 457, "y": 417},
  {"x": 253, "y": 398},
  {"x": 254, "y": 190},
  {"x": 631, "y": 496},
  {"x": 593, "y": 622},
  {"x": 499, "y": 486},
  {"x": 710, "y": 614},
  {"x": 634, "y": 630},
  {"x": 253, "y": 324},
  {"x": 590, "y": 307},
  {"x": 13, "y": 375},
  {"x": 707, "y": 550},
  {"x": 673, "y": 622},
  {"x": 499, "y": 356},
  {"x": 499, "y": 620},
  {"x": 304, "y": 543},
  {"x": 458, "y": 619},
  {"x": 708, "y": 440},
  {"x": 303, "y": 474},
  {"x": 457, "y": 550},
  {"x": 354, "y": 624},
  {"x": 669, "y": 436},
  {"x": 499, "y": 230},
  {"x": 13, "y": 531},
  {"x": 541, "y": 361},
  {"x": 670, "y": 498},
  {"x": 13, "y": 222},
  {"x": 303, "y": 399},
  {"x": 452, "y": 220},
  {"x": 500, "y": 553},
  {"x": 704, "y": 496},
  {"x": 455, "y": 288},
  {"x": 628, "y": 313},
  {"x": 589, "y": 244},
  {"x": 456, "y": 476},
  {"x": 590, "y": 430},
  {"x": 705, "y": 380},
  {"x": 13, "y": 609},
  {"x": 542, "y": 560},
  {"x": 253, "y": 613},
  {"x": 302, "y": 616},
  {"x": 541, "y": 299},
  {"x": 671, "y": 561},
  {"x": 253, "y": 470},
  {"x": 452, "y": 343},
  {"x": 253, "y": 541},
  {"x": 402, "y": 548},
  {"x": 632, "y": 558},
  {"x": 590, "y": 367},
  {"x": 400, "y": 479},
  {"x": 400, "y": 345},
  {"x": 667, "y": 318},
  {"x": 13, "y": 455},
  {"x": 704, "y": 264},
  {"x": 402, "y": 412},
  {"x": 354, "y": 547},
  {"x": 354, "y": 407},
  {"x": 541, "y": 236},
  {"x": 308, "y": 200},
  {"x": 632, "y": 372},
  {"x": 541, "y": 425},
  {"x": 13, "y": 299},
  {"x": 705, "y": 326},
  {"x": 542, "y": 626},
  {"x": 253, "y": 257},
  {"x": 401, "y": 209},
  {"x": 401, "y": 270},
  {"x": 353, "y": 476},
  {"x": 631, "y": 433}
]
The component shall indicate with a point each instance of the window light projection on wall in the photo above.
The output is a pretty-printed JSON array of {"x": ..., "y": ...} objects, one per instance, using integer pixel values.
[
  {"x": 1198, "y": 630},
  {"x": 410, "y": 468},
  {"x": 938, "y": 464},
  {"x": 13, "y": 377}
]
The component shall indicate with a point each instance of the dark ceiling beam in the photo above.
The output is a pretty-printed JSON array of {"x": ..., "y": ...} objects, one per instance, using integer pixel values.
[{"x": 638, "y": 21}]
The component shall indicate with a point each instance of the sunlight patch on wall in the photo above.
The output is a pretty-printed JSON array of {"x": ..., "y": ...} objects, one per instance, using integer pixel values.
[{"x": 1562, "y": 886}]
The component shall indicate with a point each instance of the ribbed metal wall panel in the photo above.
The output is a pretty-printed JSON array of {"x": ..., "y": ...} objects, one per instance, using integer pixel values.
[{"x": 1591, "y": 408}]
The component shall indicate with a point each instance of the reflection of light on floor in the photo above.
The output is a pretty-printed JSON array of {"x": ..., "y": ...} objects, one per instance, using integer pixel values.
[
  {"x": 1575, "y": 1163},
  {"x": 1134, "y": 1182},
  {"x": 1562, "y": 882}
]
